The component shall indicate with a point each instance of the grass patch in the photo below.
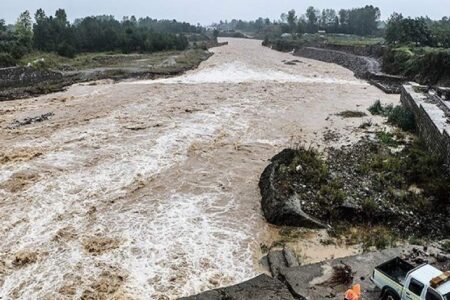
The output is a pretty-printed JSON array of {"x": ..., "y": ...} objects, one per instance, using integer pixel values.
[
  {"x": 308, "y": 164},
  {"x": 387, "y": 138},
  {"x": 353, "y": 40},
  {"x": 414, "y": 166},
  {"x": 352, "y": 114},
  {"x": 147, "y": 61},
  {"x": 378, "y": 237}
]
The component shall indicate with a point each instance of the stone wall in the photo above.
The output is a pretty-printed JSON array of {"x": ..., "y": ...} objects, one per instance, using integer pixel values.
[
  {"x": 23, "y": 76},
  {"x": 363, "y": 67},
  {"x": 360, "y": 50},
  {"x": 360, "y": 65},
  {"x": 431, "y": 119}
]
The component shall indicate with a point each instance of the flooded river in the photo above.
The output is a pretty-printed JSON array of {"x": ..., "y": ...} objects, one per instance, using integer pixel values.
[{"x": 149, "y": 189}]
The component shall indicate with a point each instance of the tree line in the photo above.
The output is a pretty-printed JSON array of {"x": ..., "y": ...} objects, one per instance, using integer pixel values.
[
  {"x": 419, "y": 31},
  {"x": 90, "y": 34},
  {"x": 360, "y": 21}
]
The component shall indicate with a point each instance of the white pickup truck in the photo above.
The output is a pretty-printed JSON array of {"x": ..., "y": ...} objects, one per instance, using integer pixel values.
[{"x": 399, "y": 280}]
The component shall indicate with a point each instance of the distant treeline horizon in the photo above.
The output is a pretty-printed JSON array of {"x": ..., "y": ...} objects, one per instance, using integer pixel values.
[
  {"x": 90, "y": 34},
  {"x": 363, "y": 21}
]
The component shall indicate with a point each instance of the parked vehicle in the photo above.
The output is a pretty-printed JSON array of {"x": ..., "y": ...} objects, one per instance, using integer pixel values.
[{"x": 399, "y": 280}]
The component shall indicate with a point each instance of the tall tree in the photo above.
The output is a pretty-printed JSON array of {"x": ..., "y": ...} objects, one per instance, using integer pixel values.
[
  {"x": 291, "y": 20},
  {"x": 24, "y": 30},
  {"x": 328, "y": 20},
  {"x": 312, "y": 20}
]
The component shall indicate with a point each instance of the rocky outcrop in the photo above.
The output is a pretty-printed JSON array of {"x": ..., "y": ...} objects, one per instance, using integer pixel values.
[
  {"x": 360, "y": 184},
  {"x": 278, "y": 208},
  {"x": 262, "y": 287}
]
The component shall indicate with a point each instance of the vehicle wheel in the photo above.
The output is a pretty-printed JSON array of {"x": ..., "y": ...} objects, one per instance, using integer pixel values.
[{"x": 389, "y": 295}]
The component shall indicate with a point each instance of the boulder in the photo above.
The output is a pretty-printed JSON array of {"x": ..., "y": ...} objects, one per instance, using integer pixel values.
[{"x": 279, "y": 209}]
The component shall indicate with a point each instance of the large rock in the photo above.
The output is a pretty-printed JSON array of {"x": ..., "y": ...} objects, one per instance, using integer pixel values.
[
  {"x": 277, "y": 208},
  {"x": 262, "y": 287}
]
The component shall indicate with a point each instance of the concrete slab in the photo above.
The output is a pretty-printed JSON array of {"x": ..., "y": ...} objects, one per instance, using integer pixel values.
[
  {"x": 262, "y": 287},
  {"x": 312, "y": 281}
]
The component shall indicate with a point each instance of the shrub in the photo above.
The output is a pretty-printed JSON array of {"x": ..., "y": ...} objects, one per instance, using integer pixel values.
[
  {"x": 66, "y": 50},
  {"x": 369, "y": 206},
  {"x": 387, "y": 138},
  {"x": 6, "y": 60},
  {"x": 402, "y": 118},
  {"x": 377, "y": 109},
  {"x": 309, "y": 165}
]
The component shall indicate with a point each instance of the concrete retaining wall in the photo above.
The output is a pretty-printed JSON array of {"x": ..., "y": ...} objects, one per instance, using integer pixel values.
[
  {"x": 430, "y": 120},
  {"x": 22, "y": 76}
]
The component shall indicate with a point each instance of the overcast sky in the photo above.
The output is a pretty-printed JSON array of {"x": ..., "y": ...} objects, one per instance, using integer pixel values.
[{"x": 208, "y": 11}]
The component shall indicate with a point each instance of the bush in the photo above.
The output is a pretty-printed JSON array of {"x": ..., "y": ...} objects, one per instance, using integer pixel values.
[
  {"x": 377, "y": 109},
  {"x": 6, "y": 60},
  {"x": 424, "y": 65},
  {"x": 66, "y": 50},
  {"x": 402, "y": 118}
]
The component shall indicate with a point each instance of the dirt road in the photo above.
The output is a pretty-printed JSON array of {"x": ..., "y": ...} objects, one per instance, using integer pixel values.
[{"x": 149, "y": 189}]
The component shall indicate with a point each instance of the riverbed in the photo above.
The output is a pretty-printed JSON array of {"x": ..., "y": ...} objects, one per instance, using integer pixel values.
[{"x": 150, "y": 188}]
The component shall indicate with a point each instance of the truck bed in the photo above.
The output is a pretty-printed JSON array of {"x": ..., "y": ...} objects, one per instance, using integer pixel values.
[{"x": 396, "y": 269}]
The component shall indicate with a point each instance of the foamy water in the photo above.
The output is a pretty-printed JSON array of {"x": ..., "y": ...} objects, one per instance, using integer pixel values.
[
  {"x": 174, "y": 237},
  {"x": 166, "y": 172},
  {"x": 238, "y": 72}
]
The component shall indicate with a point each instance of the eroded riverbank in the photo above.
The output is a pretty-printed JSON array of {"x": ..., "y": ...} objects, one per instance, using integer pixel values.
[{"x": 165, "y": 171}]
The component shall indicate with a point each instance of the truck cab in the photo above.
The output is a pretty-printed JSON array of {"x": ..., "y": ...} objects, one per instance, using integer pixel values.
[{"x": 399, "y": 280}]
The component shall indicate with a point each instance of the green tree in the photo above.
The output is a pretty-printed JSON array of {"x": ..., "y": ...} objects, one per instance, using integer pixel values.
[
  {"x": 312, "y": 18},
  {"x": 394, "y": 28},
  {"x": 291, "y": 20},
  {"x": 328, "y": 20},
  {"x": 2, "y": 26},
  {"x": 24, "y": 30}
]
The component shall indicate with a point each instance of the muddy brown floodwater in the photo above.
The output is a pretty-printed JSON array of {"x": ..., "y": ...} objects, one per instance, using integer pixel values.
[{"x": 149, "y": 190}]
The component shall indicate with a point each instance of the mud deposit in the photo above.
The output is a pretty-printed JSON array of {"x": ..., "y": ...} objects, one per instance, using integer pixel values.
[{"x": 149, "y": 190}]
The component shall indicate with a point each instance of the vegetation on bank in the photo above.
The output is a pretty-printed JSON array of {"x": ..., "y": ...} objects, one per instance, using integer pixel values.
[
  {"x": 383, "y": 190},
  {"x": 359, "y": 21},
  {"x": 419, "y": 49},
  {"x": 398, "y": 116},
  {"x": 426, "y": 65},
  {"x": 162, "y": 61},
  {"x": 92, "y": 34}
]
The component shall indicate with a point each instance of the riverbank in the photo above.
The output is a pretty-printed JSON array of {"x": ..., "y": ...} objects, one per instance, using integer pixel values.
[{"x": 46, "y": 73}]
